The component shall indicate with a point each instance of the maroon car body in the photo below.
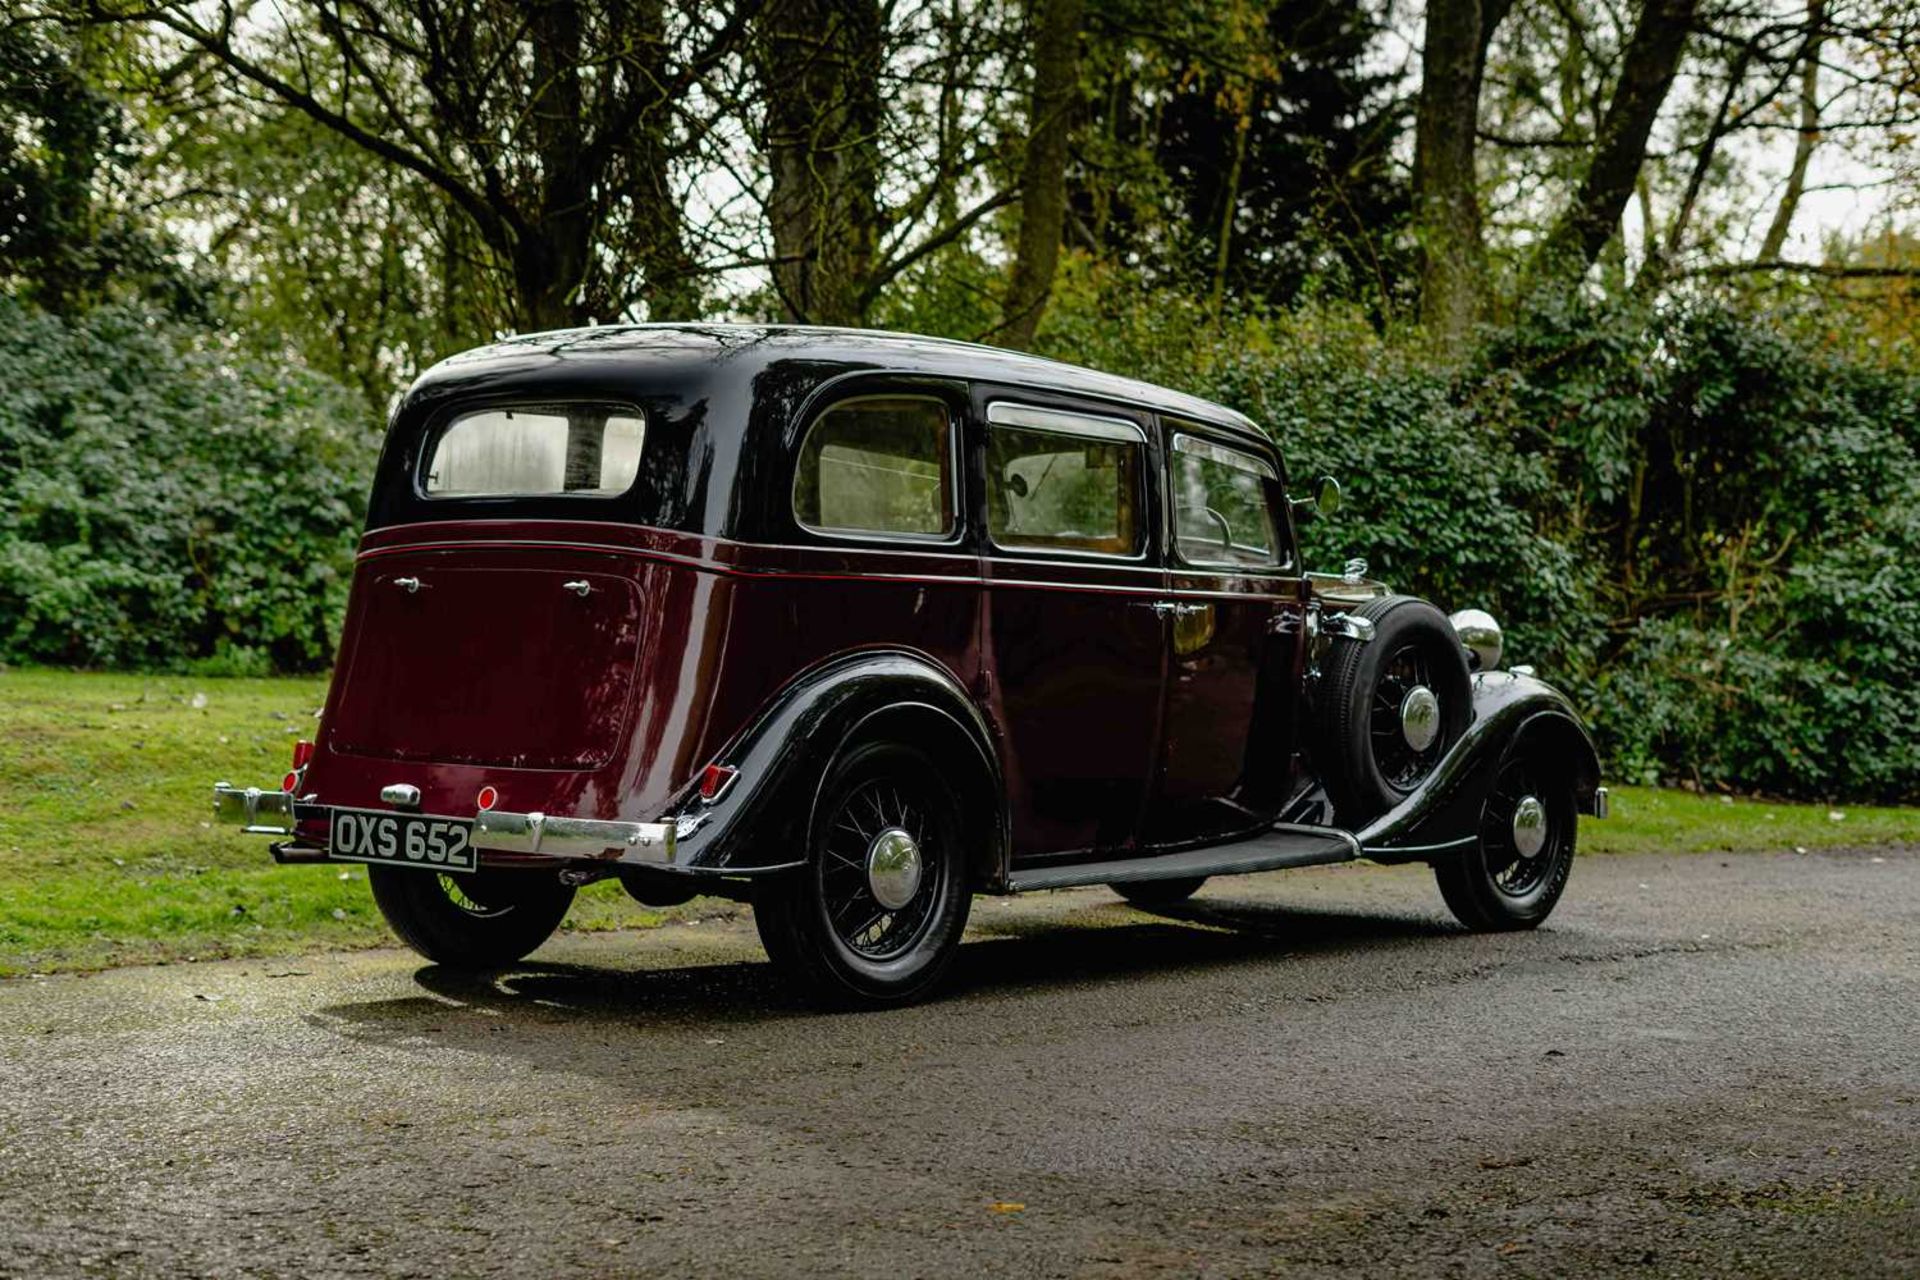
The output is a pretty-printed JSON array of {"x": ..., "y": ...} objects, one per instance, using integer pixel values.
[{"x": 685, "y": 658}]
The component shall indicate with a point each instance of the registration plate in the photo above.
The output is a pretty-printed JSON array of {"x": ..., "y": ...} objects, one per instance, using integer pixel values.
[{"x": 402, "y": 839}]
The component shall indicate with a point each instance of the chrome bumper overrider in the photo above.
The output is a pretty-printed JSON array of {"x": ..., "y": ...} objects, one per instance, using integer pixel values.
[{"x": 539, "y": 835}]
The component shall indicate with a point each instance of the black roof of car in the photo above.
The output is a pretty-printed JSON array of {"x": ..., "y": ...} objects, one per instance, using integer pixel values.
[{"x": 678, "y": 350}]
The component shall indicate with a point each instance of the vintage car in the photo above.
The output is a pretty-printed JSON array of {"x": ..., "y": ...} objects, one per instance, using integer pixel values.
[{"x": 857, "y": 625}]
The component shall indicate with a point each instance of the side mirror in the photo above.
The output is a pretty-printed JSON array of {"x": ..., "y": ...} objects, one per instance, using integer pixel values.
[{"x": 1324, "y": 502}]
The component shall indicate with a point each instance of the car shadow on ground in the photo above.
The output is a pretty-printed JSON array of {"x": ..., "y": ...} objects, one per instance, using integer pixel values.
[{"x": 1003, "y": 958}]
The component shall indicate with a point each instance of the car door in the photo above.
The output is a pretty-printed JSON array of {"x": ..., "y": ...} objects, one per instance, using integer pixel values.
[
  {"x": 1073, "y": 622},
  {"x": 1237, "y": 642}
]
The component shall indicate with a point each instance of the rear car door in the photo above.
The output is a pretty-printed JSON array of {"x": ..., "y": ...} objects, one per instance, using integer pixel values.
[
  {"x": 1237, "y": 641},
  {"x": 1073, "y": 631}
]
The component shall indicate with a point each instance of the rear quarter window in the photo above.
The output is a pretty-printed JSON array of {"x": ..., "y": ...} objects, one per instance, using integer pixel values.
[{"x": 878, "y": 466}]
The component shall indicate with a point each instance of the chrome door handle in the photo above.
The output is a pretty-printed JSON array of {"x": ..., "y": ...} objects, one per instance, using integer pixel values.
[
  {"x": 1161, "y": 608},
  {"x": 1188, "y": 610},
  {"x": 579, "y": 587},
  {"x": 408, "y": 585}
]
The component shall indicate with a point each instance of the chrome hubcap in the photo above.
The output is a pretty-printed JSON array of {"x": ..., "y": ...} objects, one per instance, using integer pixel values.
[
  {"x": 1420, "y": 717},
  {"x": 1529, "y": 827},
  {"x": 893, "y": 868}
]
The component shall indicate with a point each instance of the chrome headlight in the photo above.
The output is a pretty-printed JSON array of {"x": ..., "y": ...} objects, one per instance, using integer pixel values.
[{"x": 1481, "y": 635}]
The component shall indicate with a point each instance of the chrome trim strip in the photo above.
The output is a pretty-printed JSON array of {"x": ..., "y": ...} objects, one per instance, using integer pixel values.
[
  {"x": 1233, "y": 459},
  {"x": 1009, "y": 413}
]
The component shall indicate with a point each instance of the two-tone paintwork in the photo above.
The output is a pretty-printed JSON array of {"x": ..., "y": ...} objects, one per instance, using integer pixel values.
[{"x": 1086, "y": 706}]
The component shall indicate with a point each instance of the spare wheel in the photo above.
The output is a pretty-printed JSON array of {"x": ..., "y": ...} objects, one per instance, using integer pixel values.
[{"x": 1390, "y": 708}]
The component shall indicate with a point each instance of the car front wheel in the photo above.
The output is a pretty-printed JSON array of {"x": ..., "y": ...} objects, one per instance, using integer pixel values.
[
  {"x": 478, "y": 920},
  {"x": 875, "y": 915},
  {"x": 1514, "y": 873}
]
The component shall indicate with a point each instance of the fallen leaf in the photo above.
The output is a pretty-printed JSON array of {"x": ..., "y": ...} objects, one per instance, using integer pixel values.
[{"x": 1007, "y": 1206}]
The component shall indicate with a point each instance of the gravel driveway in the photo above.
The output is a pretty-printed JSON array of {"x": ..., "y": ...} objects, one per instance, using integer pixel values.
[{"x": 1706, "y": 1065}]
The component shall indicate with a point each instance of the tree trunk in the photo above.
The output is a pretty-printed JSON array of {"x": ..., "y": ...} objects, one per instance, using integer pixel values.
[
  {"x": 670, "y": 281},
  {"x": 1445, "y": 184},
  {"x": 1043, "y": 173},
  {"x": 551, "y": 254},
  {"x": 1776, "y": 238},
  {"x": 820, "y": 63},
  {"x": 1648, "y": 68}
]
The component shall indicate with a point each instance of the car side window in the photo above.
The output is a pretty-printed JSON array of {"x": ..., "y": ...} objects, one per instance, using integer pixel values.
[
  {"x": 1063, "y": 481},
  {"x": 1221, "y": 512},
  {"x": 879, "y": 465}
]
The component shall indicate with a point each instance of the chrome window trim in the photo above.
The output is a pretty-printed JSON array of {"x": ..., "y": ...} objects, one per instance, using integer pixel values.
[
  {"x": 1086, "y": 426},
  {"x": 1226, "y": 456},
  {"x": 1064, "y": 422},
  {"x": 955, "y": 492},
  {"x": 455, "y": 414}
]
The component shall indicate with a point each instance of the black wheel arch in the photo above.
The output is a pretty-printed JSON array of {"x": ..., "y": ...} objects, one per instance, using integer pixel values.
[
  {"x": 784, "y": 757},
  {"x": 1512, "y": 713}
]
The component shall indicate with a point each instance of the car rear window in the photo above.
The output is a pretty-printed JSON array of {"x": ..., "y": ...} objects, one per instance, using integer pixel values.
[
  {"x": 583, "y": 450},
  {"x": 880, "y": 465},
  {"x": 1063, "y": 481}
]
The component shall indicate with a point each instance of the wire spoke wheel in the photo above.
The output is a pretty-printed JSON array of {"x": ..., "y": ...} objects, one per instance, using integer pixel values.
[
  {"x": 1519, "y": 864},
  {"x": 478, "y": 894},
  {"x": 1400, "y": 719},
  {"x": 1518, "y": 833},
  {"x": 878, "y": 882},
  {"x": 877, "y": 913}
]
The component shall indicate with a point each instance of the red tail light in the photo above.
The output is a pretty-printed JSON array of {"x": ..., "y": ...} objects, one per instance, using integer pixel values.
[
  {"x": 288, "y": 783},
  {"x": 487, "y": 798},
  {"x": 714, "y": 779},
  {"x": 302, "y": 752}
]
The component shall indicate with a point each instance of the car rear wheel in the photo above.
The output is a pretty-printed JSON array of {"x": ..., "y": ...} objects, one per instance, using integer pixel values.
[
  {"x": 479, "y": 920},
  {"x": 875, "y": 915},
  {"x": 1390, "y": 708},
  {"x": 1514, "y": 873},
  {"x": 1158, "y": 893}
]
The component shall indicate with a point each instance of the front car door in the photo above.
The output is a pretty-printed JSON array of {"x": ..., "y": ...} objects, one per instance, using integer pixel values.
[
  {"x": 1237, "y": 640},
  {"x": 1073, "y": 622}
]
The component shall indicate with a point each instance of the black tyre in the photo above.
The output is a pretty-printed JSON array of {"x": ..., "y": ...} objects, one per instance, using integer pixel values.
[
  {"x": 1512, "y": 877},
  {"x": 876, "y": 914},
  {"x": 1158, "y": 893},
  {"x": 480, "y": 920},
  {"x": 1391, "y": 707}
]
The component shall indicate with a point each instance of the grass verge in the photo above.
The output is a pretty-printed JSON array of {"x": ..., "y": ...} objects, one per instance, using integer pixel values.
[{"x": 108, "y": 857}]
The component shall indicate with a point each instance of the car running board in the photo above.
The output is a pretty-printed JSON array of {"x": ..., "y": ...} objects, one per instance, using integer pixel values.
[{"x": 1282, "y": 845}]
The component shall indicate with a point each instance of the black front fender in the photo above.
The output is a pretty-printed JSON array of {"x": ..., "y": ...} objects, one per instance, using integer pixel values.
[
  {"x": 1511, "y": 712},
  {"x": 761, "y": 821}
]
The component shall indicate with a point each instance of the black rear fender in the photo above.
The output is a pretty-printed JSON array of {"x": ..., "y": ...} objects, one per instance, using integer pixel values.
[{"x": 760, "y": 821}]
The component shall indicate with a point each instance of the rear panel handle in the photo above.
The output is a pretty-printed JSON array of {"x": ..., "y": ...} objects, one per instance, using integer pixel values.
[{"x": 579, "y": 587}]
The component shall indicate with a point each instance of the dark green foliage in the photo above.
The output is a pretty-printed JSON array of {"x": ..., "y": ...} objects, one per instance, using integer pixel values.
[
  {"x": 167, "y": 498},
  {"x": 1704, "y": 528},
  {"x": 63, "y": 242}
]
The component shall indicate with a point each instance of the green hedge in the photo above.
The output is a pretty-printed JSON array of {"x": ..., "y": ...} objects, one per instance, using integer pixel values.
[
  {"x": 1703, "y": 526},
  {"x": 167, "y": 499}
]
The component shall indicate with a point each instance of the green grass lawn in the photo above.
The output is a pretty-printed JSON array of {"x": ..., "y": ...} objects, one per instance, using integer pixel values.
[{"x": 108, "y": 855}]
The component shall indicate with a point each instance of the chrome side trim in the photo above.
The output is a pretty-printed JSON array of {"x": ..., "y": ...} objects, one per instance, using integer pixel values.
[
  {"x": 552, "y": 836},
  {"x": 257, "y": 812}
]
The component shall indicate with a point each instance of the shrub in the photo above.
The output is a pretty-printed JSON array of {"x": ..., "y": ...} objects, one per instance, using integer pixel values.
[{"x": 166, "y": 498}]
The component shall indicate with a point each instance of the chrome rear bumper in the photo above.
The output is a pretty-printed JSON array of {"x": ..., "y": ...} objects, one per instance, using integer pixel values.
[{"x": 539, "y": 835}]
